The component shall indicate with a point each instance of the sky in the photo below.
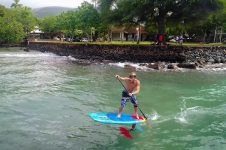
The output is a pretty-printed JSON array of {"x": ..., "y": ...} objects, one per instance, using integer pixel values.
[{"x": 44, "y": 3}]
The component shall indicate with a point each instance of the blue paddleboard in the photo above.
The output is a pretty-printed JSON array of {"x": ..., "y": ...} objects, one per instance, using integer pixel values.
[{"x": 111, "y": 118}]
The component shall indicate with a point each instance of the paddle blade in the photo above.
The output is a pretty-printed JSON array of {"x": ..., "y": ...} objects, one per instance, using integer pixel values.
[
  {"x": 139, "y": 128},
  {"x": 125, "y": 132},
  {"x": 148, "y": 124}
]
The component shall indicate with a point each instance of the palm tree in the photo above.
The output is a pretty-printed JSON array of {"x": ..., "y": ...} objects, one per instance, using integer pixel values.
[{"x": 16, "y": 4}]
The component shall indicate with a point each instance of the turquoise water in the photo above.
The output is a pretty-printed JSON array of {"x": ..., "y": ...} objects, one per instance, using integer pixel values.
[{"x": 45, "y": 101}]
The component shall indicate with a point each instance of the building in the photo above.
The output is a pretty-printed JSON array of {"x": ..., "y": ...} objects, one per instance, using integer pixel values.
[
  {"x": 128, "y": 33},
  {"x": 35, "y": 34},
  {"x": 38, "y": 34}
]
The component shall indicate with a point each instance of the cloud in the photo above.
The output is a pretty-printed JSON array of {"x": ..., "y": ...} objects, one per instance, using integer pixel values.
[
  {"x": 6, "y": 3},
  {"x": 44, "y": 3}
]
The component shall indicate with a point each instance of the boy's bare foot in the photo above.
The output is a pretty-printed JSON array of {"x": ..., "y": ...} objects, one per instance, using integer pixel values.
[
  {"x": 136, "y": 116},
  {"x": 119, "y": 116}
]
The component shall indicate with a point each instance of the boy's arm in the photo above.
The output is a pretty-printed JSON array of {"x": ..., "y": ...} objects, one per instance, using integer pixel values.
[{"x": 122, "y": 78}]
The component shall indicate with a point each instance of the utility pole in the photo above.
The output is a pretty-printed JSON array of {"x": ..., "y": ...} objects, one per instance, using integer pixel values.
[
  {"x": 215, "y": 33},
  {"x": 220, "y": 37}
]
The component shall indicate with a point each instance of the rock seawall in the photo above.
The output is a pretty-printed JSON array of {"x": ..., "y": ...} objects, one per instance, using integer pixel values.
[{"x": 135, "y": 53}]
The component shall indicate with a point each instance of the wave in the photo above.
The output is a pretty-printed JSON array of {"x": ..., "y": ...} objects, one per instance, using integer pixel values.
[
  {"x": 27, "y": 55},
  {"x": 72, "y": 58},
  {"x": 130, "y": 65},
  {"x": 213, "y": 67},
  {"x": 190, "y": 115},
  {"x": 160, "y": 66},
  {"x": 154, "y": 116},
  {"x": 163, "y": 67},
  {"x": 185, "y": 115}
]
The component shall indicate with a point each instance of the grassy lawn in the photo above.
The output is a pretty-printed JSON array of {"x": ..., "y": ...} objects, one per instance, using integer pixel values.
[
  {"x": 135, "y": 43},
  {"x": 105, "y": 42},
  {"x": 199, "y": 44},
  {"x": 125, "y": 43}
]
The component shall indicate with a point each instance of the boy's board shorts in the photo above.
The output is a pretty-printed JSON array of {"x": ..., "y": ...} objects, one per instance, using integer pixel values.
[{"x": 126, "y": 98}]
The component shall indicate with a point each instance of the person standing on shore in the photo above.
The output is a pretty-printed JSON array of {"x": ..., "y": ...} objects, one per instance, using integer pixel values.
[
  {"x": 132, "y": 89},
  {"x": 181, "y": 39}
]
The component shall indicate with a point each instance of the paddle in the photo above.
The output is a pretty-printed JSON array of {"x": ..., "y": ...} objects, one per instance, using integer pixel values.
[{"x": 133, "y": 99}]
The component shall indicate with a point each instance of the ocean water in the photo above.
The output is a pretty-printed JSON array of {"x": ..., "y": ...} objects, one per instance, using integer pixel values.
[{"x": 45, "y": 100}]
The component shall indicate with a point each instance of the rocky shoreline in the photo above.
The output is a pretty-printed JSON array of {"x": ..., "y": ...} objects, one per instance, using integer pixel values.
[
  {"x": 175, "y": 67},
  {"x": 153, "y": 57}
]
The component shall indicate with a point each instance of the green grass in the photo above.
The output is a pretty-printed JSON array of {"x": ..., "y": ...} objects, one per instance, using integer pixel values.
[
  {"x": 105, "y": 42},
  {"x": 135, "y": 43},
  {"x": 198, "y": 44},
  {"x": 124, "y": 43}
]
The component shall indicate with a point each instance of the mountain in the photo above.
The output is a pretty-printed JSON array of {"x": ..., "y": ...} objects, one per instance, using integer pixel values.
[{"x": 50, "y": 11}]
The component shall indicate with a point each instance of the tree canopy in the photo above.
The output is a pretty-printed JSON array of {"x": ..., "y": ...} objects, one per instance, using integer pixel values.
[
  {"x": 158, "y": 12},
  {"x": 11, "y": 31},
  {"x": 83, "y": 21},
  {"x": 16, "y": 22},
  {"x": 173, "y": 17}
]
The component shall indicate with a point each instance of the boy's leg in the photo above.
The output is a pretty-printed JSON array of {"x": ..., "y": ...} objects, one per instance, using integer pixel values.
[
  {"x": 136, "y": 111},
  {"x": 135, "y": 105},
  {"x": 120, "y": 111},
  {"x": 123, "y": 104}
]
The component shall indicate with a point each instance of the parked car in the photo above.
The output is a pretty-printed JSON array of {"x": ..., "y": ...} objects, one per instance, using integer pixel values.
[
  {"x": 56, "y": 38},
  {"x": 173, "y": 40},
  {"x": 76, "y": 40}
]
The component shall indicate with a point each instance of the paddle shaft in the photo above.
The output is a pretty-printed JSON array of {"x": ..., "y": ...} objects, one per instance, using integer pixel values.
[{"x": 131, "y": 98}]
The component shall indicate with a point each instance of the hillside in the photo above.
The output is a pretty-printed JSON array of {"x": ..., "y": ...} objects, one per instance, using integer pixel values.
[{"x": 50, "y": 11}]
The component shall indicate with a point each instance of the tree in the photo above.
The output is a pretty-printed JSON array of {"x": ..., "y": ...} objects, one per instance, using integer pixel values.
[
  {"x": 2, "y": 10},
  {"x": 48, "y": 24},
  {"x": 89, "y": 18},
  {"x": 84, "y": 20},
  {"x": 205, "y": 30},
  {"x": 11, "y": 31},
  {"x": 161, "y": 12},
  {"x": 68, "y": 23},
  {"x": 16, "y": 4},
  {"x": 25, "y": 16},
  {"x": 16, "y": 23}
]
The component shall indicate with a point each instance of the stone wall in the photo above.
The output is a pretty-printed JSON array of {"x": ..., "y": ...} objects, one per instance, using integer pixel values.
[
  {"x": 205, "y": 54},
  {"x": 134, "y": 53}
]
